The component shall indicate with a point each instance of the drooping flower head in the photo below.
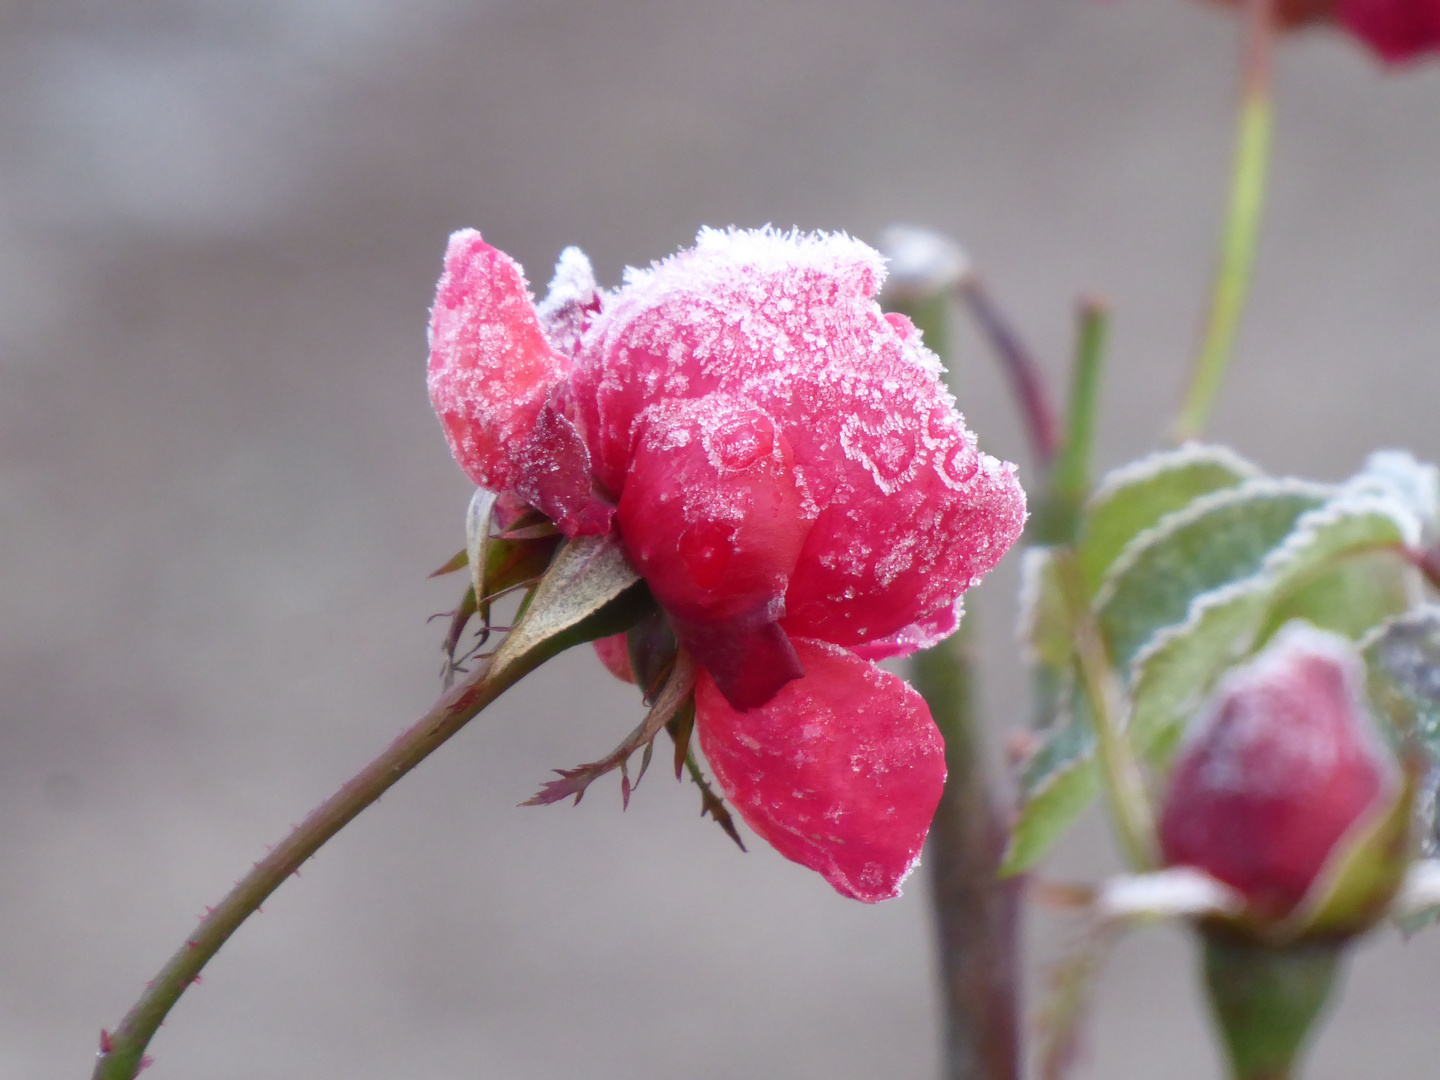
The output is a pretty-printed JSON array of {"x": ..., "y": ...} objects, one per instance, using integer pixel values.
[{"x": 790, "y": 477}]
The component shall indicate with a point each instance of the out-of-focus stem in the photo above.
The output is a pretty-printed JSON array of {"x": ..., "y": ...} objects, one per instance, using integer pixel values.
[
  {"x": 1124, "y": 781},
  {"x": 1242, "y": 222},
  {"x": 1026, "y": 380},
  {"x": 976, "y": 913},
  {"x": 1057, "y": 511}
]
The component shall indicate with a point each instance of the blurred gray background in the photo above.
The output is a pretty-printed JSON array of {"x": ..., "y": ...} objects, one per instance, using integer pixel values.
[{"x": 221, "y": 488}]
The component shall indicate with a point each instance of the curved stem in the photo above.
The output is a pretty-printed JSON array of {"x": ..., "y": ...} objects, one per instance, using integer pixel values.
[
  {"x": 1242, "y": 222},
  {"x": 123, "y": 1050},
  {"x": 1027, "y": 381}
]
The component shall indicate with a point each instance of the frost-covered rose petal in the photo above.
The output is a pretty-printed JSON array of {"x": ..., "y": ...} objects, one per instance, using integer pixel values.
[
  {"x": 494, "y": 377},
  {"x": 1282, "y": 766},
  {"x": 712, "y": 519},
  {"x": 840, "y": 772},
  {"x": 491, "y": 366},
  {"x": 908, "y": 513}
]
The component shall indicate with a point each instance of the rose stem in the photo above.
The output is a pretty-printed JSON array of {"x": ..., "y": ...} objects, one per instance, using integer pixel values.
[
  {"x": 977, "y": 915},
  {"x": 1241, "y": 229},
  {"x": 127, "y": 1043},
  {"x": 1027, "y": 382}
]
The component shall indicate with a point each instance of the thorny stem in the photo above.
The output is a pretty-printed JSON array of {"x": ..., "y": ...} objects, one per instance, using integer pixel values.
[
  {"x": 976, "y": 913},
  {"x": 1027, "y": 381},
  {"x": 1124, "y": 782},
  {"x": 123, "y": 1049},
  {"x": 1242, "y": 222}
]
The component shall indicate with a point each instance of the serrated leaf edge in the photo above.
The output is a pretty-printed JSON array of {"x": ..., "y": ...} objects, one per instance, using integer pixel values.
[
  {"x": 1198, "y": 508},
  {"x": 1309, "y": 525},
  {"x": 1163, "y": 461}
]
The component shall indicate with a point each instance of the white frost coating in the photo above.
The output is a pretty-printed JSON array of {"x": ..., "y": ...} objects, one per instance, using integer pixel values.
[
  {"x": 572, "y": 290},
  {"x": 922, "y": 262},
  {"x": 1421, "y": 889},
  {"x": 1179, "y": 892},
  {"x": 1183, "y": 456},
  {"x": 1195, "y": 509},
  {"x": 1398, "y": 472},
  {"x": 719, "y": 253}
]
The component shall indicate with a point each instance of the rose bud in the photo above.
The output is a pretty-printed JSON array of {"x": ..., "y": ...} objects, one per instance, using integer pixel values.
[{"x": 1285, "y": 792}]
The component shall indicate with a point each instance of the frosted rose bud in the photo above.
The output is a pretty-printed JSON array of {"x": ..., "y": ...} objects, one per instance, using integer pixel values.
[{"x": 1282, "y": 775}]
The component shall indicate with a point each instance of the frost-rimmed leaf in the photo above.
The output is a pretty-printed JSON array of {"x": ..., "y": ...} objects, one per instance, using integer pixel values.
[
  {"x": 1134, "y": 498},
  {"x": 1058, "y": 781},
  {"x": 1173, "y": 672},
  {"x": 1403, "y": 657},
  {"x": 1216, "y": 540}
]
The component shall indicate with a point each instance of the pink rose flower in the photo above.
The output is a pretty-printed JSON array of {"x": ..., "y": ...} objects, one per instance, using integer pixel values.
[
  {"x": 788, "y": 474},
  {"x": 1283, "y": 767}
]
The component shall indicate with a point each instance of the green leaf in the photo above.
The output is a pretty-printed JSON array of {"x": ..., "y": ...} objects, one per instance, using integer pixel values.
[
  {"x": 1173, "y": 673},
  {"x": 1403, "y": 657},
  {"x": 1044, "y": 622},
  {"x": 1134, "y": 498},
  {"x": 1218, "y": 539},
  {"x": 1058, "y": 781}
]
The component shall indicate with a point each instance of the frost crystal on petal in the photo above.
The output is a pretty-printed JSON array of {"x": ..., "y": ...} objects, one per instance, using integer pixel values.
[{"x": 491, "y": 365}]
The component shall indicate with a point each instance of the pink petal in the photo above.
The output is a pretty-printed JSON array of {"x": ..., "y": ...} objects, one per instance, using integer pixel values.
[
  {"x": 712, "y": 520},
  {"x": 840, "y": 772},
  {"x": 913, "y": 514},
  {"x": 491, "y": 366},
  {"x": 554, "y": 475},
  {"x": 922, "y": 634},
  {"x": 614, "y": 653}
]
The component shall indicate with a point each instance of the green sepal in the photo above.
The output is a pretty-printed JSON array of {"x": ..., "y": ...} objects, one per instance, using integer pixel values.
[{"x": 1265, "y": 1000}]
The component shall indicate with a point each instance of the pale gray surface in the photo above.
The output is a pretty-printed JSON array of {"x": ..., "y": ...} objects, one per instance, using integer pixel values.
[{"x": 221, "y": 487}]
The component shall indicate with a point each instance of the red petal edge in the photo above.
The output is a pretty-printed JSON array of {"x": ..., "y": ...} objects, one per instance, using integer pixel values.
[{"x": 840, "y": 772}]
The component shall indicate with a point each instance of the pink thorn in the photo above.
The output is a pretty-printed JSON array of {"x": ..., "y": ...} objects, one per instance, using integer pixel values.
[{"x": 105, "y": 1044}]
